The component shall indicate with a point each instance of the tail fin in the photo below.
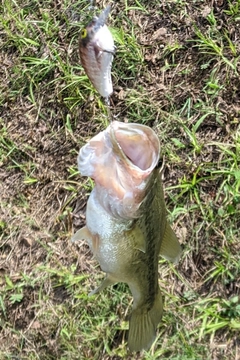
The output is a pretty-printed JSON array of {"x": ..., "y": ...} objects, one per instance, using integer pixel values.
[{"x": 143, "y": 324}]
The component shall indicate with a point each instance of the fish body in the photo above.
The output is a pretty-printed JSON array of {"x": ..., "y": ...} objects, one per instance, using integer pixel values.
[
  {"x": 96, "y": 49},
  {"x": 126, "y": 224}
]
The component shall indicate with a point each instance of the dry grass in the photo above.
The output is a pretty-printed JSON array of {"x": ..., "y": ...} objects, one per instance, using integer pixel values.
[{"x": 176, "y": 69}]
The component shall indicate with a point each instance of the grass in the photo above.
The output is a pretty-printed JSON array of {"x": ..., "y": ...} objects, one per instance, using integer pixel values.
[{"x": 182, "y": 80}]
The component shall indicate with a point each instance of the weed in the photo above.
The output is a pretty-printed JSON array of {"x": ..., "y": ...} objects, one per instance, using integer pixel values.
[{"x": 185, "y": 84}]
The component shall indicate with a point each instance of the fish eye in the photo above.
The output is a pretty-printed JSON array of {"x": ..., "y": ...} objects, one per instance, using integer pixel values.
[
  {"x": 160, "y": 163},
  {"x": 84, "y": 33}
]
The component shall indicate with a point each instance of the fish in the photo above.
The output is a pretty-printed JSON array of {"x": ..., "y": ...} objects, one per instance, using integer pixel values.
[
  {"x": 96, "y": 49},
  {"x": 126, "y": 220}
]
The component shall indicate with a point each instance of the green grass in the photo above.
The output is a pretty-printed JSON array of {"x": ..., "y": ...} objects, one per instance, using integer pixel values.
[{"x": 184, "y": 82}]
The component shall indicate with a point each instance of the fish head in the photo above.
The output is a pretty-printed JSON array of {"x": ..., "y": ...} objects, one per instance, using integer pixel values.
[
  {"x": 121, "y": 160},
  {"x": 89, "y": 33}
]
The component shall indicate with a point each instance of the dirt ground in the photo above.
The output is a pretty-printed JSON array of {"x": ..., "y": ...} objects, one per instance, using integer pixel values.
[{"x": 44, "y": 122}]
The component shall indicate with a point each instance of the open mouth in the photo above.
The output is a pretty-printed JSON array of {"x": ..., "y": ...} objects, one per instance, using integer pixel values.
[{"x": 139, "y": 144}]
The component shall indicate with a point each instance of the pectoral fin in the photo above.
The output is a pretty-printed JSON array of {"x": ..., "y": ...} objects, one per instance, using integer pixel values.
[
  {"x": 81, "y": 234},
  {"x": 93, "y": 240},
  {"x": 137, "y": 238},
  {"x": 170, "y": 247}
]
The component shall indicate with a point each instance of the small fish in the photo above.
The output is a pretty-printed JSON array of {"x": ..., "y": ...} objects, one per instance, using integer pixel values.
[
  {"x": 126, "y": 224},
  {"x": 96, "y": 48}
]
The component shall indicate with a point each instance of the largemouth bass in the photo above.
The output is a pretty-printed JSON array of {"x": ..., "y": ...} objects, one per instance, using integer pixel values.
[
  {"x": 96, "y": 48},
  {"x": 126, "y": 225}
]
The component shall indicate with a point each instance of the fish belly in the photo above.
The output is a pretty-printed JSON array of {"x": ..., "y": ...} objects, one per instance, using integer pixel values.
[{"x": 108, "y": 244}]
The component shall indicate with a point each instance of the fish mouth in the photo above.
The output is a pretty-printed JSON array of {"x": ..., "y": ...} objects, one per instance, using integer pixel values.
[
  {"x": 101, "y": 20},
  {"x": 136, "y": 144}
]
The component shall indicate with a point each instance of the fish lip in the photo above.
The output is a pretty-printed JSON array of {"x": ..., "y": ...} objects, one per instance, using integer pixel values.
[{"x": 101, "y": 20}]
